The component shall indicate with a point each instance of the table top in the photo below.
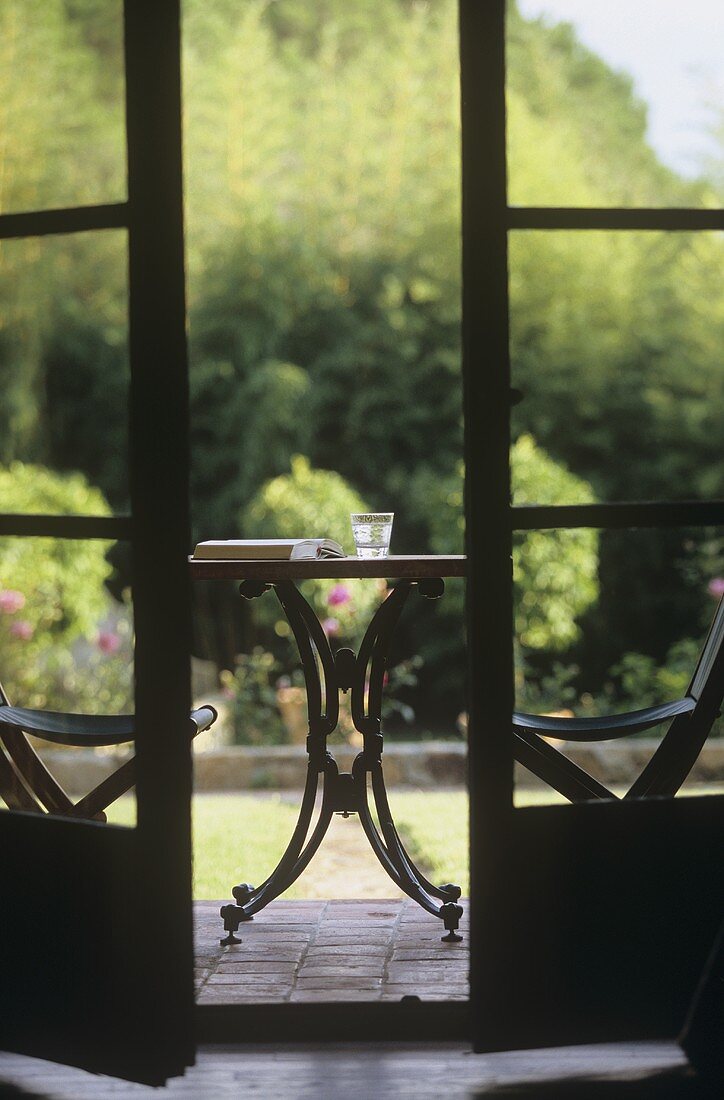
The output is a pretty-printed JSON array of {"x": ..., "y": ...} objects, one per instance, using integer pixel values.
[{"x": 393, "y": 567}]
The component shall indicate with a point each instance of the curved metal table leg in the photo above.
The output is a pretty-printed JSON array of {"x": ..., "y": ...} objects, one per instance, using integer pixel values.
[
  {"x": 325, "y": 674},
  {"x": 405, "y": 881},
  {"x": 367, "y": 694},
  {"x": 395, "y": 847},
  {"x": 323, "y": 712}
]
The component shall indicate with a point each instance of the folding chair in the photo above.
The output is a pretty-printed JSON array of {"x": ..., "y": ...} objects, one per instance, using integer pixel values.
[
  {"x": 691, "y": 720},
  {"x": 27, "y": 784}
]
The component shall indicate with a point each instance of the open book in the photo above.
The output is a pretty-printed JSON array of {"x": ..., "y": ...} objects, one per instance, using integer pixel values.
[{"x": 268, "y": 549}]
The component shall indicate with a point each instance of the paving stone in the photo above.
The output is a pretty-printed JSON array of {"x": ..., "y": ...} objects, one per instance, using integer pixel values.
[
  {"x": 359, "y": 949},
  {"x": 339, "y": 983},
  {"x": 340, "y": 971},
  {"x": 417, "y": 954},
  {"x": 288, "y": 967},
  {"x": 427, "y": 976},
  {"x": 340, "y": 950},
  {"x": 330, "y": 996},
  {"x": 257, "y": 953},
  {"x": 247, "y": 983},
  {"x": 334, "y": 939},
  {"x": 269, "y": 966}
]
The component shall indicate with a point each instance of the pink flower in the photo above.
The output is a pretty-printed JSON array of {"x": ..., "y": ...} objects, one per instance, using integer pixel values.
[
  {"x": 339, "y": 595},
  {"x": 10, "y": 601},
  {"x": 21, "y": 629},
  {"x": 330, "y": 627},
  {"x": 108, "y": 641},
  {"x": 715, "y": 587}
]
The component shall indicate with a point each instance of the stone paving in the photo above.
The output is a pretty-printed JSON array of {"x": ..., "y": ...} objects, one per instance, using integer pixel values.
[{"x": 342, "y": 950}]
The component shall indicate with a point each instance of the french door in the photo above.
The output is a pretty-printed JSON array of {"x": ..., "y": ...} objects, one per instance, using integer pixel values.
[
  {"x": 96, "y": 951},
  {"x": 589, "y": 922}
]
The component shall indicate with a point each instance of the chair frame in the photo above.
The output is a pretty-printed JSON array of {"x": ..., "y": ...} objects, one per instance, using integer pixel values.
[
  {"x": 27, "y": 784},
  {"x": 691, "y": 720}
]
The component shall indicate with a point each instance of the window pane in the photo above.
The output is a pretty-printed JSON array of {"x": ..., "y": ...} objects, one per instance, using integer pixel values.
[
  {"x": 66, "y": 644},
  {"x": 61, "y": 104},
  {"x": 613, "y": 621},
  {"x": 615, "y": 104},
  {"x": 616, "y": 344},
  {"x": 64, "y": 374}
]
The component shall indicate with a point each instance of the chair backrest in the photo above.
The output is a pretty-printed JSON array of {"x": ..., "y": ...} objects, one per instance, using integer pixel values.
[
  {"x": 675, "y": 755},
  {"x": 685, "y": 737},
  {"x": 25, "y": 782}
]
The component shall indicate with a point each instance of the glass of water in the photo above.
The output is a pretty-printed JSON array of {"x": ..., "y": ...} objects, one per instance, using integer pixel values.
[{"x": 371, "y": 532}]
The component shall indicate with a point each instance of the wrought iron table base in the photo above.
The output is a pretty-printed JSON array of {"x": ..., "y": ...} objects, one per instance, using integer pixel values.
[{"x": 325, "y": 675}]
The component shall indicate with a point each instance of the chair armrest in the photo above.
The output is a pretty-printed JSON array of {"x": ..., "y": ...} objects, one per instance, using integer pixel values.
[
  {"x": 88, "y": 730},
  {"x": 203, "y": 717},
  {"x": 71, "y": 729},
  {"x": 605, "y": 728}
]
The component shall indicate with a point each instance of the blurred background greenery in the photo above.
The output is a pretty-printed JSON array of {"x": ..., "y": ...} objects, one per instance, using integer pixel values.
[{"x": 323, "y": 220}]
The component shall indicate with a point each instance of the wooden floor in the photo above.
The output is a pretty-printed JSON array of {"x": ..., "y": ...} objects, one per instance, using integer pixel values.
[
  {"x": 305, "y": 951},
  {"x": 356, "y": 1072}
]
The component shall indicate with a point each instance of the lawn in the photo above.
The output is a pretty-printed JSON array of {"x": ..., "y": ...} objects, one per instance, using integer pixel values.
[
  {"x": 245, "y": 833},
  {"x": 248, "y": 832}
]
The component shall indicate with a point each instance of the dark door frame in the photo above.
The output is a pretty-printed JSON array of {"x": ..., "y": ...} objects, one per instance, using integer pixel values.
[
  {"x": 150, "y": 1035},
  {"x": 503, "y": 924}
]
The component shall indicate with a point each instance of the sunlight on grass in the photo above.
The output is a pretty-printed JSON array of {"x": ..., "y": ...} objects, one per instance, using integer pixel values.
[
  {"x": 236, "y": 838},
  {"x": 239, "y": 837}
]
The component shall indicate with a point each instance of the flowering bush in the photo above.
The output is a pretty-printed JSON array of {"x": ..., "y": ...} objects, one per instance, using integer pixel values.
[
  {"x": 52, "y": 598},
  {"x": 251, "y": 689}
]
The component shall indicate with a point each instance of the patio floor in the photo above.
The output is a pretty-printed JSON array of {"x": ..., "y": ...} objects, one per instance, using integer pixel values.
[{"x": 345, "y": 950}]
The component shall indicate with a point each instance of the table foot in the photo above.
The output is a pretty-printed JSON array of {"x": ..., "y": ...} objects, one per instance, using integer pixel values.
[
  {"x": 451, "y": 914},
  {"x": 242, "y": 894},
  {"x": 232, "y": 917}
]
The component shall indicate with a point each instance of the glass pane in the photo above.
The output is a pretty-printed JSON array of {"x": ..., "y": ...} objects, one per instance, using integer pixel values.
[
  {"x": 64, "y": 374},
  {"x": 613, "y": 621},
  {"x": 66, "y": 645},
  {"x": 61, "y": 104},
  {"x": 615, "y": 104},
  {"x": 616, "y": 345}
]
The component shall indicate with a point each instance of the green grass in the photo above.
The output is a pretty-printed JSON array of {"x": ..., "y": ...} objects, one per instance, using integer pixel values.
[
  {"x": 236, "y": 837},
  {"x": 241, "y": 836},
  {"x": 434, "y": 829}
]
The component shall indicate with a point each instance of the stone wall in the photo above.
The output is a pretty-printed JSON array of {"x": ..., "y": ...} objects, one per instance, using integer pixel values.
[{"x": 425, "y": 764}]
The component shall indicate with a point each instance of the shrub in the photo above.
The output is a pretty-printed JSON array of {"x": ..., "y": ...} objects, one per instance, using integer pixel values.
[
  {"x": 56, "y": 649},
  {"x": 309, "y": 503}
]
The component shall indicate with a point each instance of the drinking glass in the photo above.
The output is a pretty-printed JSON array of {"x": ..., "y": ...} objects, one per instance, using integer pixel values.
[{"x": 371, "y": 532}]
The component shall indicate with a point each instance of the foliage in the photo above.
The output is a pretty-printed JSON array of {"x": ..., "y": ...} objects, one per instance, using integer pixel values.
[
  {"x": 53, "y": 599},
  {"x": 322, "y": 168},
  {"x": 650, "y": 684},
  {"x": 251, "y": 688},
  {"x": 554, "y": 572},
  {"x": 313, "y": 503},
  {"x": 545, "y": 692}
]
